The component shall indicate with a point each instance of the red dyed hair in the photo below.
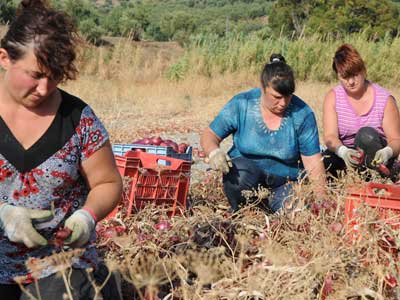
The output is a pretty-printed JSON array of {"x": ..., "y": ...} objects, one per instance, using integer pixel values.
[{"x": 347, "y": 61}]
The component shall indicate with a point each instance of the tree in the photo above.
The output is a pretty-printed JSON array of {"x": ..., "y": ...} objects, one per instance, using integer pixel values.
[
  {"x": 86, "y": 16},
  {"x": 337, "y": 17},
  {"x": 7, "y": 11},
  {"x": 92, "y": 31},
  {"x": 127, "y": 19}
]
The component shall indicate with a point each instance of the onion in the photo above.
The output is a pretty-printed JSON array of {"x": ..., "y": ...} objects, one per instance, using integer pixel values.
[
  {"x": 262, "y": 236},
  {"x": 391, "y": 280},
  {"x": 335, "y": 227},
  {"x": 182, "y": 147},
  {"x": 138, "y": 142},
  {"x": 316, "y": 208},
  {"x": 164, "y": 144},
  {"x": 142, "y": 237},
  {"x": 63, "y": 233},
  {"x": 156, "y": 141},
  {"x": 113, "y": 231},
  {"x": 109, "y": 233},
  {"x": 383, "y": 169},
  {"x": 163, "y": 225},
  {"x": 172, "y": 144},
  {"x": 174, "y": 239},
  {"x": 146, "y": 141},
  {"x": 327, "y": 287}
]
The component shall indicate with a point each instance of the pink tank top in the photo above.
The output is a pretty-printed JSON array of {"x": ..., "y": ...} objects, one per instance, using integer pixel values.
[{"x": 349, "y": 122}]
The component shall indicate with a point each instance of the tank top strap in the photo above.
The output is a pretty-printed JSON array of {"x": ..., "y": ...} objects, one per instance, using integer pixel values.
[
  {"x": 381, "y": 95},
  {"x": 381, "y": 98}
]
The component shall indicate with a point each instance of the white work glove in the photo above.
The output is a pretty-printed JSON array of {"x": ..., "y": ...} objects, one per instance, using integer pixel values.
[
  {"x": 350, "y": 156},
  {"x": 219, "y": 161},
  {"x": 17, "y": 224},
  {"x": 382, "y": 156},
  {"x": 82, "y": 224}
]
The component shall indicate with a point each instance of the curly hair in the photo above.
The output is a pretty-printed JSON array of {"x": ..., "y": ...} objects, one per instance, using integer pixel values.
[{"x": 50, "y": 33}]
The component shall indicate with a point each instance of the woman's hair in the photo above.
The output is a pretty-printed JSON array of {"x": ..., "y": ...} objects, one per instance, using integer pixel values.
[
  {"x": 347, "y": 61},
  {"x": 278, "y": 75},
  {"x": 50, "y": 33}
]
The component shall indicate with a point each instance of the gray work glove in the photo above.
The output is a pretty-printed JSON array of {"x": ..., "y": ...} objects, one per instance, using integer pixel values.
[
  {"x": 219, "y": 161},
  {"x": 352, "y": 158},
  {"x": 382, "y": 156},
  {"x": 82, "y": 225},
  {"x": 17, "y": 224}
]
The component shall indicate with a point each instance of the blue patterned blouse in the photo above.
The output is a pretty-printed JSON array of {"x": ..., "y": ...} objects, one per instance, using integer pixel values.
[{"x": 275, "y": 151}]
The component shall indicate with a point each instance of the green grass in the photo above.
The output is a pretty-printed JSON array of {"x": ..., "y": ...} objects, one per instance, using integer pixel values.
[{"x": 310, "y": 56}]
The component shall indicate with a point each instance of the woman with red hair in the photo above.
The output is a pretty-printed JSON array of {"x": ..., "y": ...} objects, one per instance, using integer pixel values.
[{"x": 360, "y": 119}]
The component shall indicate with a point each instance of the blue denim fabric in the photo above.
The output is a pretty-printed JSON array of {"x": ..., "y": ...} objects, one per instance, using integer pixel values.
[{"x": 245, "y": 174}]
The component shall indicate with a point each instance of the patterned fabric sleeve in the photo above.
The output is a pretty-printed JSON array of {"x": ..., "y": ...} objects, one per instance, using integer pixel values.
[
  {"x": 226, "y": 121},
  {"x": 308, "y": 136},
  {"x": 92, "y": 133}
]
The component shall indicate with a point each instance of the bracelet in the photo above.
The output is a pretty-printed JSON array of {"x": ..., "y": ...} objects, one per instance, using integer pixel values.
[{"x": 91, "y": 212}]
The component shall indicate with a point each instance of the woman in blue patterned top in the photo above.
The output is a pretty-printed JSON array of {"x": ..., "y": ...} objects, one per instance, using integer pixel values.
[
  {"x": 56, "y": 164},
  {"x": 275, "y": 136}
]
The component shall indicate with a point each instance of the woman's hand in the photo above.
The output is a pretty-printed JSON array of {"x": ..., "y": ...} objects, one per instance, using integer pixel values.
[
  {"x": 17, "y": 224},
  {"x": 220, "y": 161},
  {"x": 382, "y": 156},
  {"x": 352, "y": 158},
  {"x": 81, "y": 224}
]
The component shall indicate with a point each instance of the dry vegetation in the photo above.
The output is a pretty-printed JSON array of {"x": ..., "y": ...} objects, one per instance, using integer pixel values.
[{"x": 208, "y": 253}]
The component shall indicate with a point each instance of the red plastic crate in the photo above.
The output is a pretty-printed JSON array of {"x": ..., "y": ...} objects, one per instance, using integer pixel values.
[
  {"x": 152, "y": 183},
  {"x": 384, "y": 197}
]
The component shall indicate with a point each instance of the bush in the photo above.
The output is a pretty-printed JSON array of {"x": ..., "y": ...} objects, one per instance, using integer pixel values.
[
  {"x": 310, "y": 56},
  {"x": 7, "y": 11},
  {"x": 91, "y": 31},
  {"x": 337, "y": 17}
]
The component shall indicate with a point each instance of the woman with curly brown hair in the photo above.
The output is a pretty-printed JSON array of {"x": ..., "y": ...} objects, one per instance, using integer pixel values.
[{"x": 56, "y": 164}]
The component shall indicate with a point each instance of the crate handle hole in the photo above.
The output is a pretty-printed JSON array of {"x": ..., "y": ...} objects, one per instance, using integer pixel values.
[{"x": 380, "y": 191}]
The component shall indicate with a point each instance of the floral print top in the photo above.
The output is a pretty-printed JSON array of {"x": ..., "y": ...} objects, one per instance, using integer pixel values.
[{"x": 48, "y": 175}]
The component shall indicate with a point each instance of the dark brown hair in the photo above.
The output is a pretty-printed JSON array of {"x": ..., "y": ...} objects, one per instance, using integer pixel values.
[
  {"x": 51, "y": 33},
  {"x": 278, "y": 75},
  {"x": 347, "y": 61}
]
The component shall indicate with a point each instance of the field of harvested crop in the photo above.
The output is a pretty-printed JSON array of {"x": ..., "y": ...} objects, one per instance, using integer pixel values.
[{"x": 208, "y": 253}]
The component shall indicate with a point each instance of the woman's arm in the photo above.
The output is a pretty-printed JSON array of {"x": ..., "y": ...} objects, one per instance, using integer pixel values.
[
  {"x": 330, "y": 123},
  {"x": 391, "y": 125},
  {"x": 104, "y": 181},
  {"x": 316, "y": 171},
  {"x": 209, "y": 141}
]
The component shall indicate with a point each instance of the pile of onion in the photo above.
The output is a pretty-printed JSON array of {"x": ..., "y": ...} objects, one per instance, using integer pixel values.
[{"x": 158, "y": 141}]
